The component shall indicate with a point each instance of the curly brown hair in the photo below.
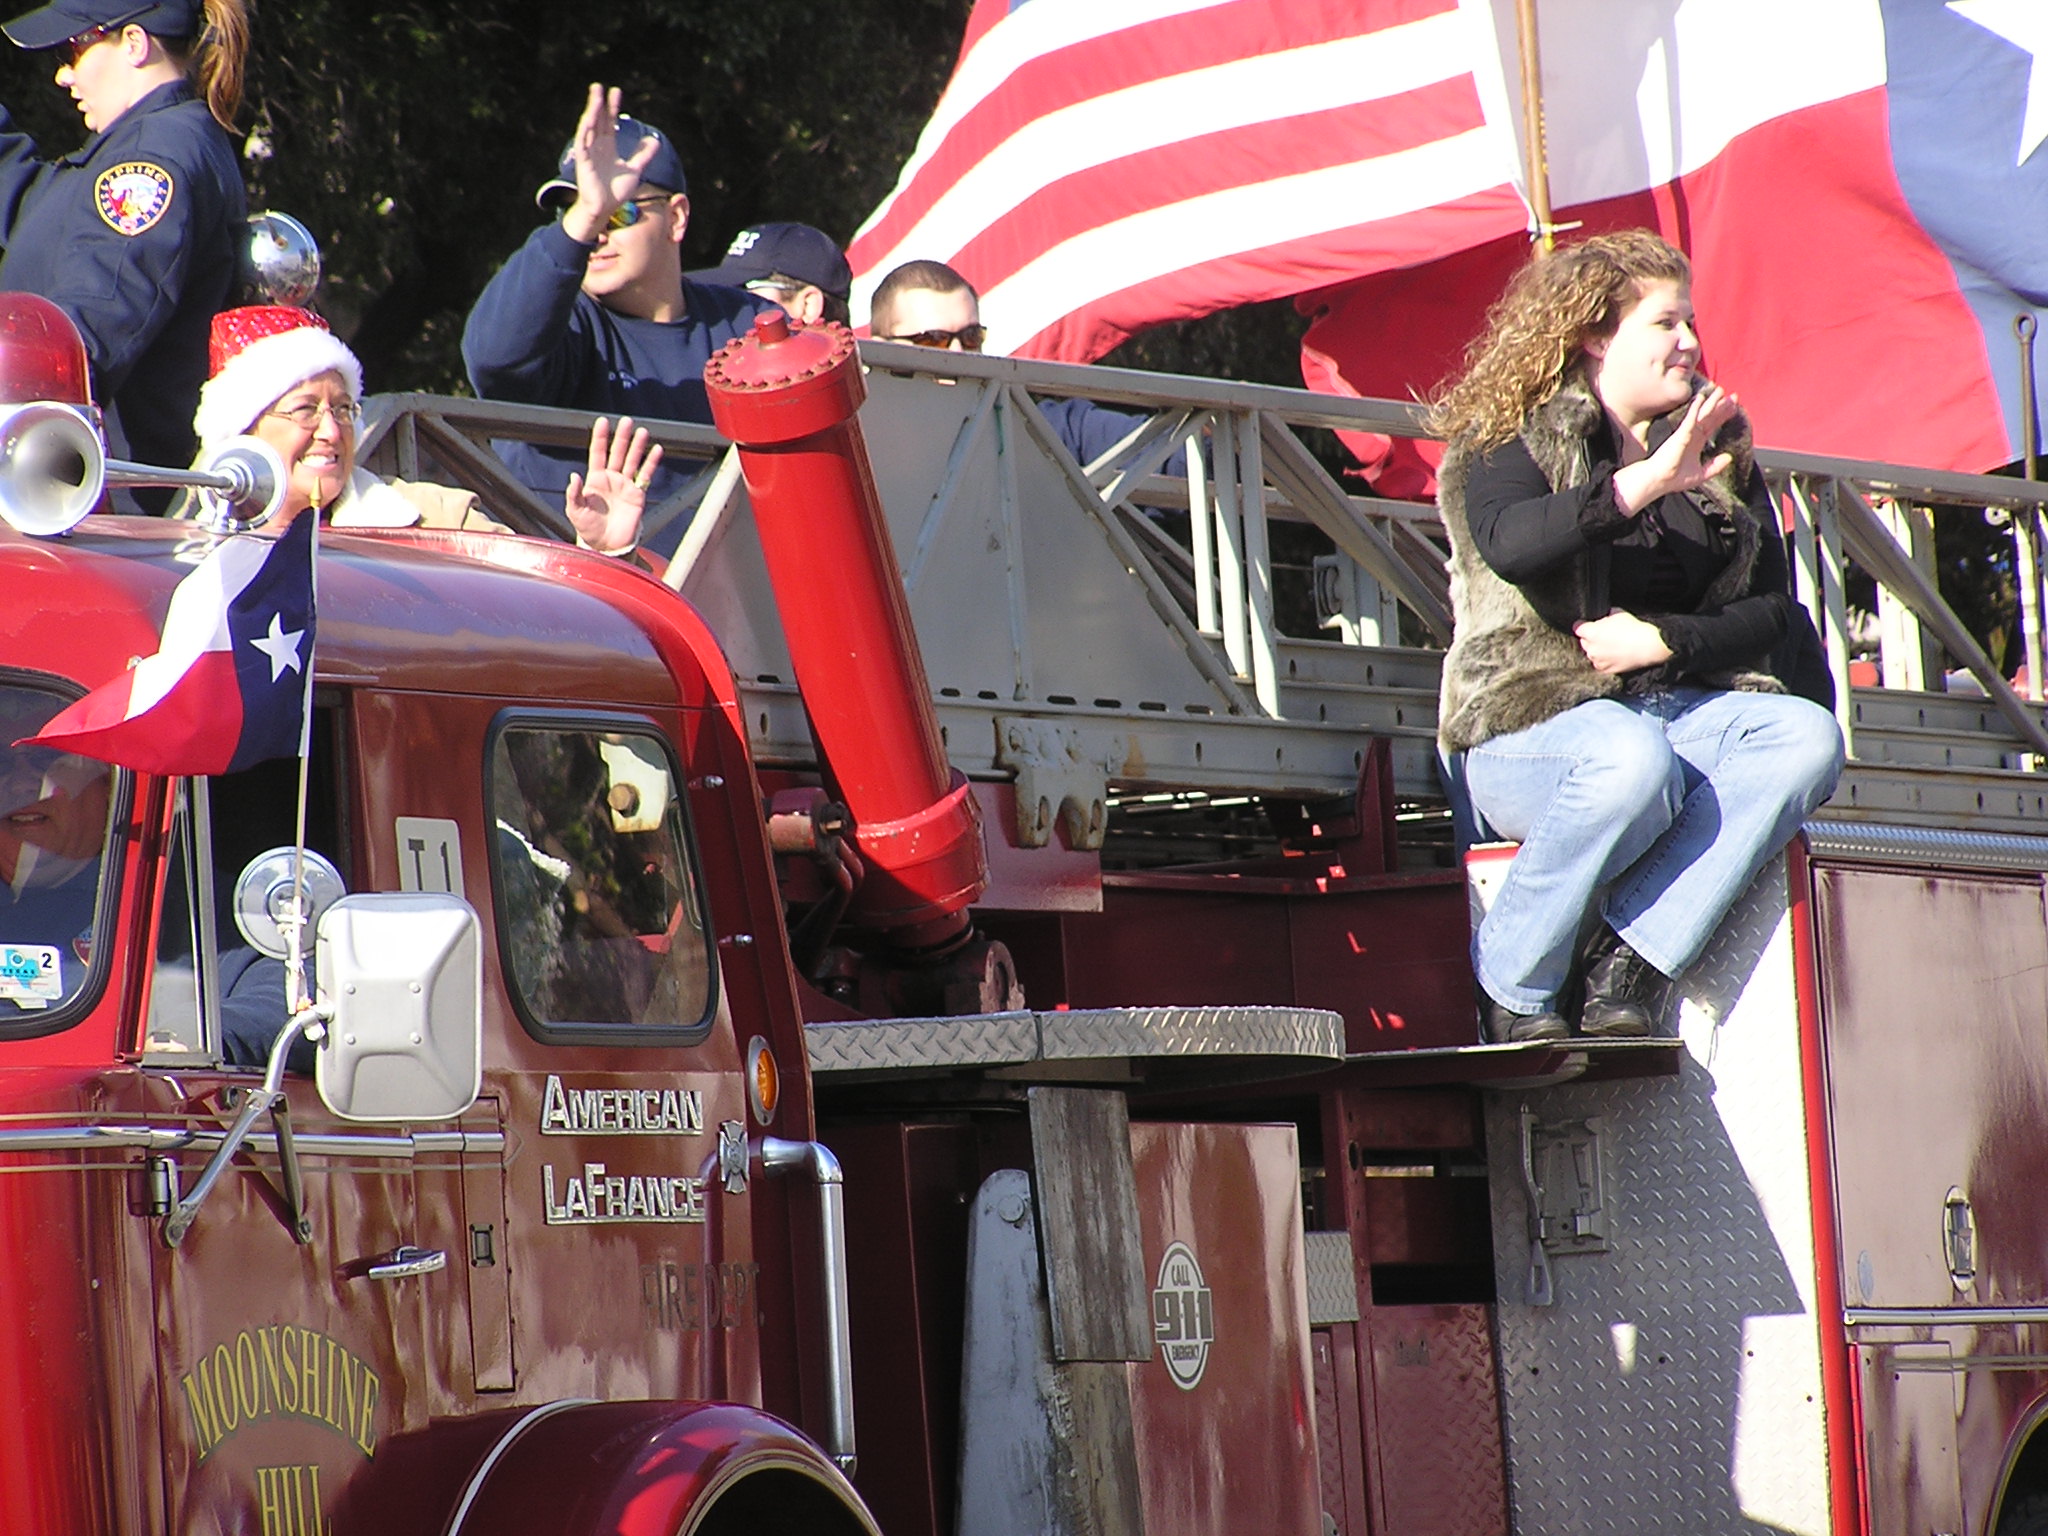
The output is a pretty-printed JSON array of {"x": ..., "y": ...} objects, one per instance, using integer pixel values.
[{"x": 1535, "y": 335}]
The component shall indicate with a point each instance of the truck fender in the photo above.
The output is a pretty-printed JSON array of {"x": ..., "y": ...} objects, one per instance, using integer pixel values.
[
  {"x": 581, "y": 1468},
  {"x": 2022, "y": 1501}
]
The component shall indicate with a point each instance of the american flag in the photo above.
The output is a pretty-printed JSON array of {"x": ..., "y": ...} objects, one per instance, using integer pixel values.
[
  {"x": 1862, "y": 186},
  {"x": 1096, "y": 166}
]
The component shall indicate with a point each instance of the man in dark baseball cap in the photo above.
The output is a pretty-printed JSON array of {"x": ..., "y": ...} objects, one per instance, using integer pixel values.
[
  {"x": 663, "y": 168},
  {"x": 65, "y": 19},
  {"x": 594, "y": 311},
  {"x": 793, "y": 265}
]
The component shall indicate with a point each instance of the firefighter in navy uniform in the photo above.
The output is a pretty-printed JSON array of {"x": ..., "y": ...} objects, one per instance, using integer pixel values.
[{"x": 135, "y": 235}]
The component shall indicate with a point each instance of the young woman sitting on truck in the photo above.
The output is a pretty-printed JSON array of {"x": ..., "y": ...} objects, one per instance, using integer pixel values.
[
  {"x": 1618, "y": 588},
  {"x": 280, "y": 375}
]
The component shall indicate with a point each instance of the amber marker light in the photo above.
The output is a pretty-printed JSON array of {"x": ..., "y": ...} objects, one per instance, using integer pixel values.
[{"x": 764, "y": 1080}]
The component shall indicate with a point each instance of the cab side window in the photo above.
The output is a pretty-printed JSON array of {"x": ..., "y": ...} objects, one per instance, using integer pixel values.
[
  {"x": 600, "y": 918},
  {"x": 56, "y": 817},
  {"x": 219, "y": 827}
]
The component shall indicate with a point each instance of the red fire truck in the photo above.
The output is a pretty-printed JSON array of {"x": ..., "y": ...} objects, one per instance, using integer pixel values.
[{"x": 773, "y": 1076}]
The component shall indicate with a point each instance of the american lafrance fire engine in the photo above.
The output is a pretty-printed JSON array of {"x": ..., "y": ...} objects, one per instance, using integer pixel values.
[{"x": 1102, "y": 955}]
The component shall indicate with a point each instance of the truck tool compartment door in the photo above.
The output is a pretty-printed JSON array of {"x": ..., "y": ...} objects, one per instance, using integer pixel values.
[{"x": 1935, "y": 1007}]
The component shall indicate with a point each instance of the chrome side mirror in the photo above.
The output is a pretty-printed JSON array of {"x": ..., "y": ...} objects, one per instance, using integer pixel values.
[
  {"x": 263, "y": 896},
  {"x": 401, "y": 977}
]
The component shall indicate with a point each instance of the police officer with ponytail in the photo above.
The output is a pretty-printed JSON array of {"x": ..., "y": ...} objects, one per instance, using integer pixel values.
[{"x": 135, "y": 235}]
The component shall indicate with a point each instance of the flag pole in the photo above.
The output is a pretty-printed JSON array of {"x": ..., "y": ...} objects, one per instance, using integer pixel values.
[
  {"x": 300, "y": 995},
  {"x": 2026, "y": 518},
  {"x": 1532, "y": 126}
]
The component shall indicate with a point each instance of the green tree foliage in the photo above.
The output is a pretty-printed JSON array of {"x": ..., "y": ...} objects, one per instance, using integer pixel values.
[{"x": 409, "y": 137}]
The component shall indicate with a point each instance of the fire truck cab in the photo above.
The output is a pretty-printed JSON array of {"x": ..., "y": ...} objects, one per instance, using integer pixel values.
[{"x": 365, "y": 1317}]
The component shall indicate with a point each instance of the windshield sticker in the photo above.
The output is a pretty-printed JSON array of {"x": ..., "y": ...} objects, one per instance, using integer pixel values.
[{"x": 31, "y": 975}]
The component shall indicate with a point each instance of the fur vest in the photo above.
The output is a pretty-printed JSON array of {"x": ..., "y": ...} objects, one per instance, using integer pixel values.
[{"x": 1508, "y": 668}]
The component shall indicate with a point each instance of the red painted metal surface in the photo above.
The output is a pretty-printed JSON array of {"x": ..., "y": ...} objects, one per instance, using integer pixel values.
[
  {"x": 908, "y": 1188},
  {"x": 67, "y": 1404},
  {"x": 1223, "y": 1410},
  {"x": 1439, "y": 1459},
  {"x": 1429, "y": 1404},
  {"x": 789, "y": 400},
  {"x": 1340, "y": 1441},
  {"x": 1387, "y": 952}
]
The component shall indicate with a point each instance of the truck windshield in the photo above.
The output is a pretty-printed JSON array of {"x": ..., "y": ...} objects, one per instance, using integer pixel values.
[
  {"x": 55, "y": 816},
  {"x": 599, "y": 914}
]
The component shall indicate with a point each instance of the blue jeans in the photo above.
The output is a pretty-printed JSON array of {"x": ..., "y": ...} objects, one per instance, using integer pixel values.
[{"x": 1670, "y": 802}]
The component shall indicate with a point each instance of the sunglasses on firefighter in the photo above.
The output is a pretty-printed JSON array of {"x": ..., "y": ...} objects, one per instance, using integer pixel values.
[
  {"x": 75, "y": 46},
  {"x": 970, "y": 338},
  {"x": 627, "y": 214}
]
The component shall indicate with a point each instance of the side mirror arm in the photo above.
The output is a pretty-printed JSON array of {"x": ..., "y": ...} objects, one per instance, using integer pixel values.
[{"x": 312, "y": 1024}]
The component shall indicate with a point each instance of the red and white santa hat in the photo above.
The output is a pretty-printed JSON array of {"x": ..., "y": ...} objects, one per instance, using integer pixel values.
[{"x": 256, "y": 354}]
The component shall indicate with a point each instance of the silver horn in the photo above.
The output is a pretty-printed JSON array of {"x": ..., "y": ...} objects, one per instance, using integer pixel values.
[
  {"x": 240, "y": 484},
  {"x": 52, "y": 470},
  {"x": 51, "y": 466}
]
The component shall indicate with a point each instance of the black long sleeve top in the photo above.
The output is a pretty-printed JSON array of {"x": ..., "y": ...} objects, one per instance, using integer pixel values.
[{"x": 1662, "y": 560}]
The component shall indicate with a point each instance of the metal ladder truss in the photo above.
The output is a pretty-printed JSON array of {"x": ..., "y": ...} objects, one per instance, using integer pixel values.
[{"x": 1105, "y": 629}]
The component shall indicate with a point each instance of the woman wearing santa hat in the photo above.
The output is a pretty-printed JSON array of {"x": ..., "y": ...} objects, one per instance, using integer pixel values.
[{"x": 280, "y": 375}]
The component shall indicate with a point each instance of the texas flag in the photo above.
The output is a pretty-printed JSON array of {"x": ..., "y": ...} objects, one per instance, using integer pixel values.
[
  {"x": 1860, "y": 185},
  {"x": 227, "y": 687}
]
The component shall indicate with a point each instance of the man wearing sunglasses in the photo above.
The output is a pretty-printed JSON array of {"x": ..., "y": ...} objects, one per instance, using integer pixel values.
[
  {"x": 594, "y": 311},
  {"x": 928, "y": 304}
]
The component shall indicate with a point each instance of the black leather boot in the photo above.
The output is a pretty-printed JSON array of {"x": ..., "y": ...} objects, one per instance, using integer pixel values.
[
  {"x": 1625, "y": 994},
  {"x": 1506, "y": 1027}
]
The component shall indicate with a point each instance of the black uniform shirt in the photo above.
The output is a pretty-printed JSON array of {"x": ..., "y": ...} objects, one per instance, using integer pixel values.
[{"x": 135, "y": 237}]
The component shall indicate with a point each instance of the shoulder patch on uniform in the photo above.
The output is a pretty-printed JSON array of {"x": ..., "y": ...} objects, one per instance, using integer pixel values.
[{"x": 132, "y": 196}]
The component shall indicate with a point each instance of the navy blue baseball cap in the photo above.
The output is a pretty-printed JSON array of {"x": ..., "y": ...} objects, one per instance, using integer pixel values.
[
  {"x": 63, "y": 20},
  {"x": 783, "y": 250},
  {"x": 664, "y": 171}
]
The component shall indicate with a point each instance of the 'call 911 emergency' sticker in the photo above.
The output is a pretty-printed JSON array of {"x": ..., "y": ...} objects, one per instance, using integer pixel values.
[
  {"x": 1183, "y": 1316},
  {"x": 30, "y": 975},
  {"x": 132, "y": 196}
]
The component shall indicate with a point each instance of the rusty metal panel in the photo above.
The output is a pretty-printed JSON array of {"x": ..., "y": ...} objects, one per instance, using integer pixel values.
[
  {"x": 1045, "y": 1449},
  {"x": 1439, "y": 1413},
  {"x": 1339, "y": 1438},
  {"x": 1909, "y": 1402},
  {"x": 486, "y": 1255},
  {"x": 1223, "y": 1410},
  {"x": 1936, "y": 1012},
  {"x": 1674, "y": 1382}
]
